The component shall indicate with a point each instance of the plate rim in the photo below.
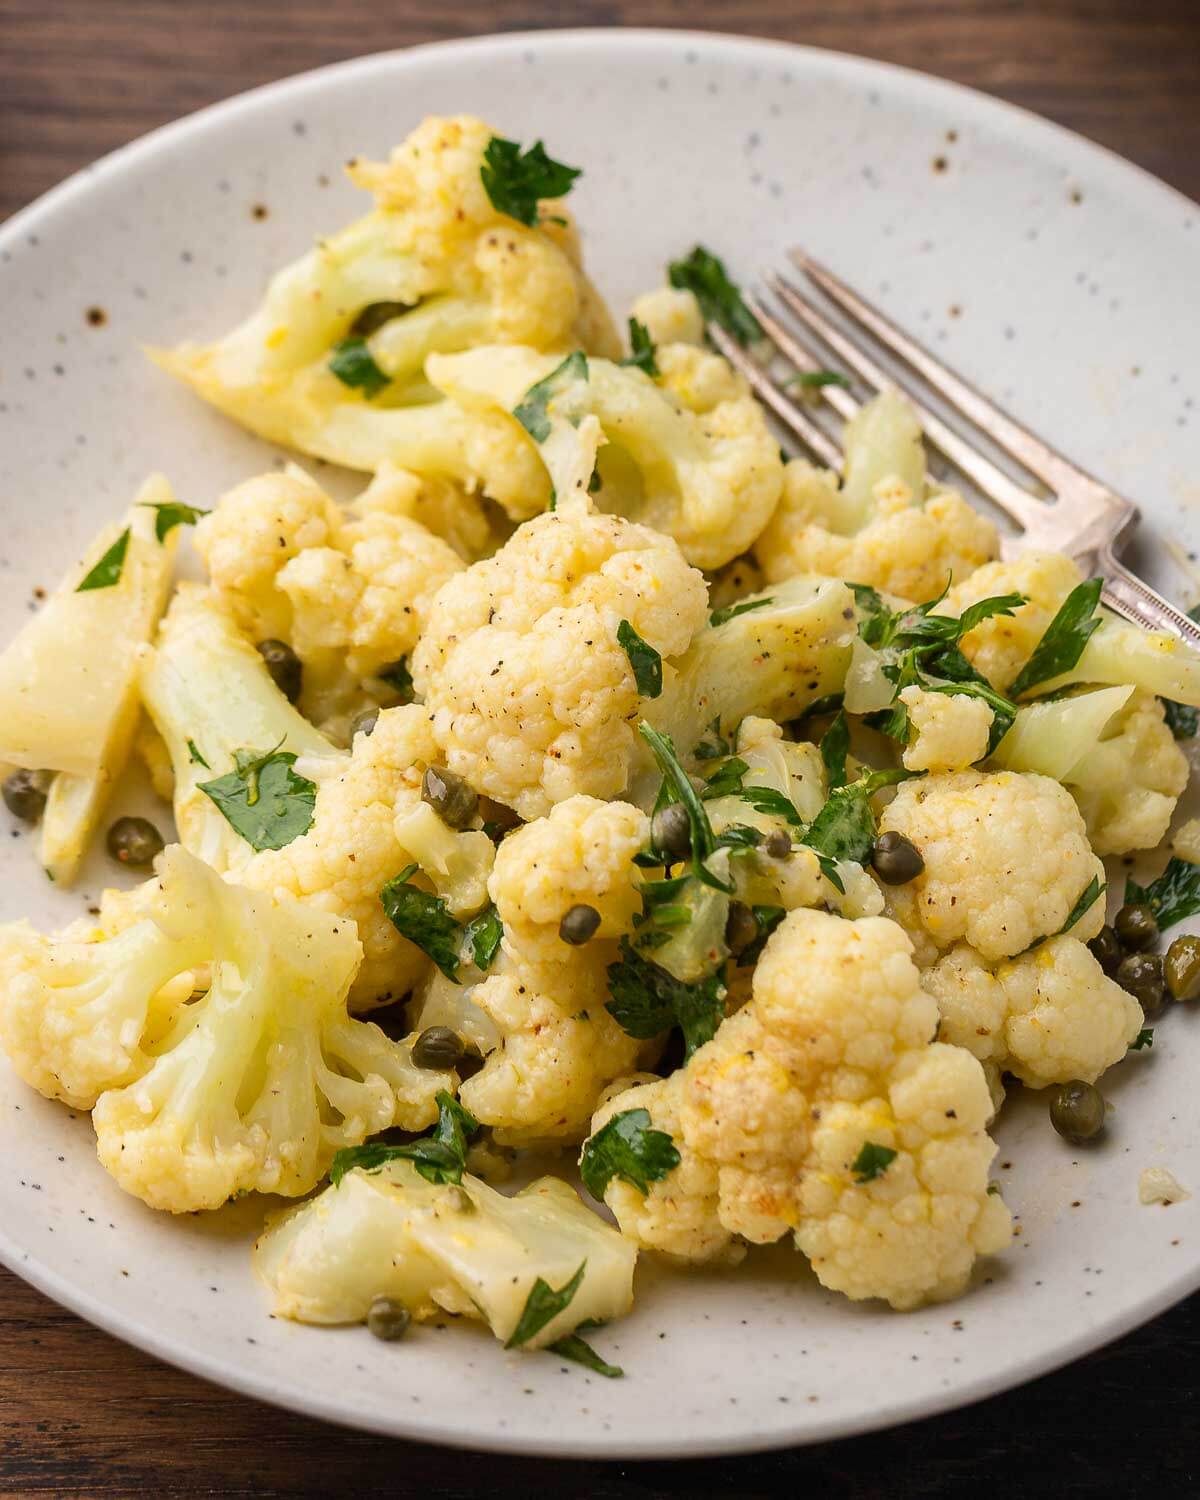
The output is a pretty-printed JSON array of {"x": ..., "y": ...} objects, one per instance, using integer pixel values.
[{"x": 1067, "y": 144}]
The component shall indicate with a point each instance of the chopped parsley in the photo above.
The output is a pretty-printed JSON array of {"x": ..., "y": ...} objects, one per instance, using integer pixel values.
[
  {"x": 515, "y": 180},
  {"x": 171, "y": 513},
  {"x": 107, "y": 571},
  {"x": 263, "y": 799},
  {"x": 483, "y": 934},
  {"x": 729, "y": 612},
  {"x": 643, "y": 349},
  {"x": 581, "y": 1352},
  {"x": 398, "y": 678},
  {"x": 195, "y": 757},
  {"x": 531, "y": 411},
  {"x": 439, "y": 1157},
  {"x": 677, "y": 787},
  {"x": 726, "y": 780},
  {"x": 643, "y": 658},
  {"x": 703, "y": 274},
  {"x": 1091, "y": 895},
  {"x": 646, "y": 1000},
  {"x": 844, "y": 829},
  {"x": 424, "y": 920},
  {"x": 627, "y": 1147},
  {"x": 1143, "y": 1040},
  {"x": 354, "y": 365},
  {"x": 835, "y": 745},
  {"x": 1172, "y": 897},
  {"x": 872, "y": 1161},
  {"x": 813, "y": 380},
  {"x": 1182, "y": 720},
  {"x": 543, "y": 1305},
  {"x": 714, "y": 746},
  {"x": 767, "y": 799},
  {"x": 1066, "y": 635}
]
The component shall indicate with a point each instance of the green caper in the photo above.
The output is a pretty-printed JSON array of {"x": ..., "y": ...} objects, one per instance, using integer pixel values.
[
  {"x": 450, "y": 796},
  {"x": 375, "y": 315},
  {"x": 741, "y": 928},
  {"x": 1136, "y": 928},
  {"x": 897, "y": 860},
  {"x": 1181, "y": 968},
  {"x": 25, "y": 794},
  {"x": 388, "y": 1319},
  {"x": 778, "y": 844},
  {"x": 1142, "y": 975},
  {"x": 671, "y": 831},
  {"x": 469, "y": 1063},
  {"x": 1077, "y": 1111},
  {"x": 134, "y": 841},
  {"x": 364, "y": 722},
  {"x": 284, "y": 667},
  {"x": 579, "y": 924},
  {"x": 438, "y": 1048},
  {"x": 1106, "y": 950}
]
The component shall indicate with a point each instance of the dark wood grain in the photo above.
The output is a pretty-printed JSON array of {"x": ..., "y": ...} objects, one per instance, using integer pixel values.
[{"x": 83, "y": 1415}]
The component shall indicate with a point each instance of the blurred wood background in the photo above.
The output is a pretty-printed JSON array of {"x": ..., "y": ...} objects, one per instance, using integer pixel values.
[{"x": 81, "y": 1415}]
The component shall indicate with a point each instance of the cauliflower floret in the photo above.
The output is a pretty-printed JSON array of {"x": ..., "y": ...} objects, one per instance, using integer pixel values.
[
  {"x": 1186, "y": 841},
  {"x": 531, "y": 695},
  {"x": 251, "y": 1086},
  {"x": 1127, "y": 785},
  {"x": 951, "y": 730},
  {"x": 440, "y": 505},
  {"x": 459, "y": 1248},
  {"x": 1002, "y": 644},
  {"x": 581, "y": 854},
  {"x": 433, "y": 267},
  {"x": 1006, "y": 859},
  {"x": 827, "y": 1111},
  {"x": 351, "y": 850},
  {"x": 670, "y": 315},
  {"x": 689, "y": 453},
  {"x": 1048, "y": 1016},
  {"x": 678, "y": 1215},
  {"x": 907, "y": 547}
]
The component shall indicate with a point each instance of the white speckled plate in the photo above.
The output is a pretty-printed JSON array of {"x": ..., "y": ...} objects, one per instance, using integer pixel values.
[{"x": 1062, "y": 279}]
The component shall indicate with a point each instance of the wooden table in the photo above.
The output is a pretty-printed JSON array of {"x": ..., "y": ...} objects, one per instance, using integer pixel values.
[{"x": 83, "y": 1415}]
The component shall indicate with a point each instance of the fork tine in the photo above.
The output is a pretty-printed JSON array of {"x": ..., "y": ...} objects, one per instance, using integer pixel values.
[
  {"x": 994, "y": 483},
  {"x": 790, "y": 347},
  {"x": 800, "y": 423},
  {"x": 1038, "y": 457}
]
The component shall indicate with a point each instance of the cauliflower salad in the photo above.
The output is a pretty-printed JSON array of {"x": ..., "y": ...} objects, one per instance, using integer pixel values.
[{"x": 600, "y": 792}]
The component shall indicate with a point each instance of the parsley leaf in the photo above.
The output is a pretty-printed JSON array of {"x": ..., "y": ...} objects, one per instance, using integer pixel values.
[
  {"x": 731, "y": 611},
  {"x": 194, "y": 756},
  {"x": 107, "y": 571},
  {"x": 1066, "y": 635},
  {"x": 1143, "y": 1040},
  {"x": 439, "y": 1157},
  {"x": 398, "y": 677},
  {"x": 844, "y": 829},
  {"x": 766, "y": 799},
  {"x": 424, "y": 920},
  {"x": 171, "y": 513},
  {"x": 835, "y": 744},
  {"x": 1182, "y": 720},
  {"x": 531, "y": 411},
  {"x": 574, "y": 1348},
  {"x": 516, "y": 180},
  {"x": 726, "y": 780},
  {"x": 714, "y": 746},
  {"x": 543, "y": 1305},
  {"x": 263, "y": 799},
  {"x": 354, "y": 365},
  {"x": 629, "y": 1148},
  {"x": 676, "y": 780},
  {"x": 483, "y": 934},
  {"x": 1172, "y": 897},
  {"x": 643, "y": 658},
  {"x": 702, "y": 274},
  {"x": 815, "y": 379},
  {"x": 1092, "y": 893},
  {"x": 872, "y": 1161},
  {"x": 643, "y": 349},
  {"x": 646, "y": 1000}
]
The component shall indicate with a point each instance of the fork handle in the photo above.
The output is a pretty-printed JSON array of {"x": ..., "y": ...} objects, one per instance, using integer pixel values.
[{"x": 1126, "y": 595}]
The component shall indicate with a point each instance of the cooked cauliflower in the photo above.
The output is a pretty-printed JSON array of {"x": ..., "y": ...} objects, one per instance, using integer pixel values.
[
  {"x": 1048, "y": 1016},
  {"x": 253, "y": 1085},
  {"x": 827, "y": 1111},
  {"x": 530, "y": 694},
  {"x": 689, "y": 453},
  {"x": 950, "y": 730},
  {"x": 1127, "y": 785},
  {"x": 1002, "y": 644},
  {"x": 464, "y": 521},
  {"x": 433, "y": 267},
  {"x": 670, "y": 315},
  {"x": 1006, "y": 859},
  {"x": 457, "y": 1248},
  {"x": 909, "y": 547},
  {"x": 1186, "y": 841}
]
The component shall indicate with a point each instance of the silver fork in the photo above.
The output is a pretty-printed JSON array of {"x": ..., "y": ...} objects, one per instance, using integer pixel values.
[{"x": 1083, "y": 518}]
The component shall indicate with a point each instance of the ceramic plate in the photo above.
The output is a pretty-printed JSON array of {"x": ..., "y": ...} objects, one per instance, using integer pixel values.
[{"x": 1062, "y": 279}]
